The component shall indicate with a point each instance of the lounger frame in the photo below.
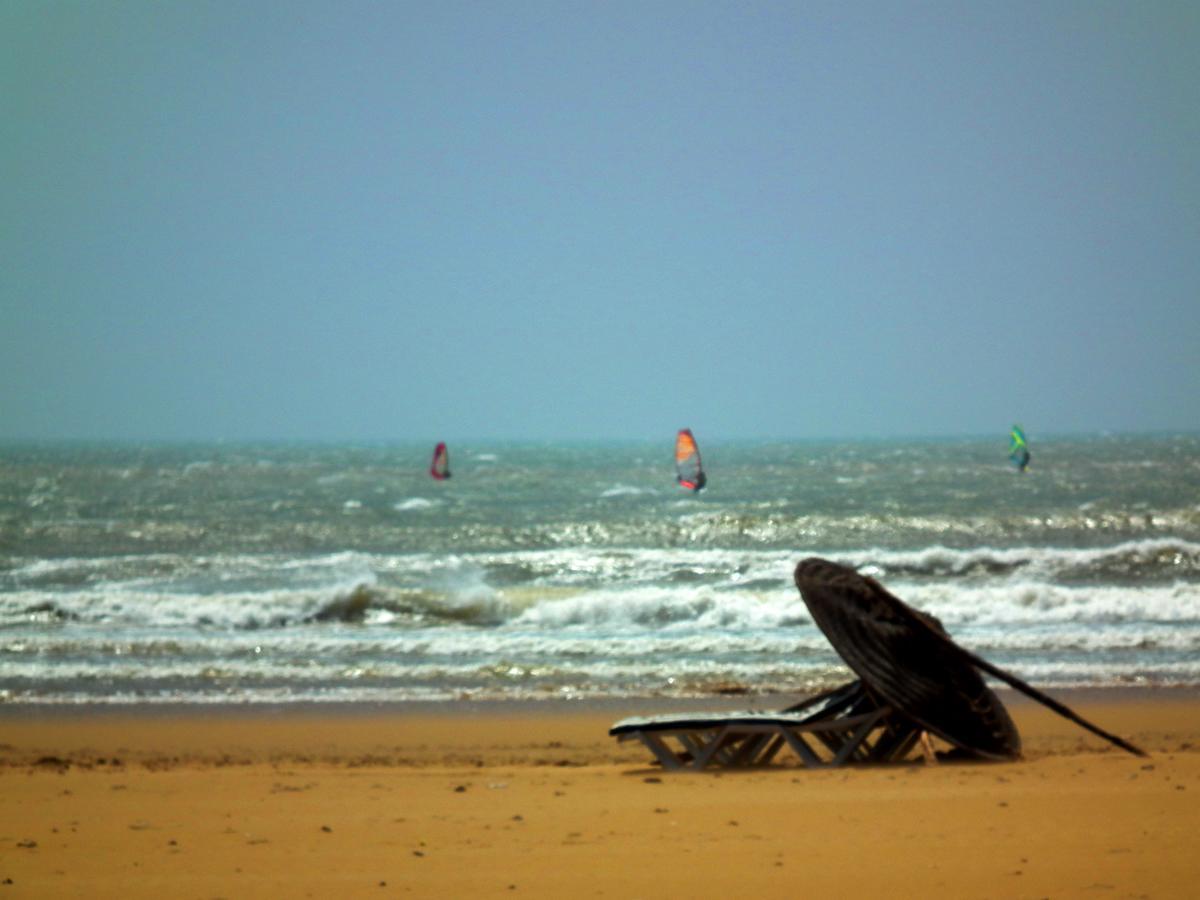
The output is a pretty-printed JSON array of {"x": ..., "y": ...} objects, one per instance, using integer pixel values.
[{"x": 832, "y": 729}]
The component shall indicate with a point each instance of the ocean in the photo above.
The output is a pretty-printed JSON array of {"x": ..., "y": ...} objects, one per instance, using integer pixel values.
[{"x": 223, "y": 573}]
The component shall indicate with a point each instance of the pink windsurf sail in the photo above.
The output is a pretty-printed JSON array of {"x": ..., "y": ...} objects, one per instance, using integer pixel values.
[{"x": 439, "y": 466}]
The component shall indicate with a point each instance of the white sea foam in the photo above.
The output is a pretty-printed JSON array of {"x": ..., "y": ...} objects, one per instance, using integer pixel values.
[
  {"x": 626, "y": 490},
  {"x": 413, "y": 503},
  {"x": 1165, "y": 555},
  {"x": 1105, "y": 674},
  {"x": 1039, "y": 603},
  {"x": 247, "y": 681},
  {"x": 583, "y": 571},
  {"x": 464, "y": 595},
  {"x": 731, "y": 587},
  {"x": 665, "y": 607},
  {"x": 129, "y": 604},
  {"x": 1088, "y": 639}
]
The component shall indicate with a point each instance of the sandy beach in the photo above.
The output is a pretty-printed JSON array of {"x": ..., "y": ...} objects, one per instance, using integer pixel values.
[{"x": 538, "y": 801}]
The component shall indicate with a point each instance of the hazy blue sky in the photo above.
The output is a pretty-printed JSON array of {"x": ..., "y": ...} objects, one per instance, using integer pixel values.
[{"x": 565, "y": 219}]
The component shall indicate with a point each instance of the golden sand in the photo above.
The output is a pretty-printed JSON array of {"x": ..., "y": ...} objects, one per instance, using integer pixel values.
[{"x": 526, "y": 804}]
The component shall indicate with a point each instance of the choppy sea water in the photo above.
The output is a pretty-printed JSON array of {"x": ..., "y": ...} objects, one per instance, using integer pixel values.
[{"x": 230, "y": 574}]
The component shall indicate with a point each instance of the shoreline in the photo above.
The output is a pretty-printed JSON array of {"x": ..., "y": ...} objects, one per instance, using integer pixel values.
[
  {"x": 642, "y": 703},
  {"x": 525, "y": 733}
]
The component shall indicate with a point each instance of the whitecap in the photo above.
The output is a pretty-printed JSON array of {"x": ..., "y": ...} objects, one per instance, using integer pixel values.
[
  {"x": 626, "y": 490},
  {"x": 413, "y": 503},
  {"x": 656, "y": 607}
]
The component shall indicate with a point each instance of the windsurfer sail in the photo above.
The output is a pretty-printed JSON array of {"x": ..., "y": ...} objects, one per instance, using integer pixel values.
[
  {"x": 689, "y": 471},
  {"x": 439, "y": 466},
  {"x": 1018, "y": 449}
]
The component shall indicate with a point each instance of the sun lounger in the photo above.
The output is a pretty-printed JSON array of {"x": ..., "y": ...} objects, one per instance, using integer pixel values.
[{"x": 839, "y": 726}]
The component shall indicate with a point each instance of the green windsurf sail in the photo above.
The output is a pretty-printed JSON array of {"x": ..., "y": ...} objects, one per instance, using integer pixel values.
[{"x": 1018, "y": 449}]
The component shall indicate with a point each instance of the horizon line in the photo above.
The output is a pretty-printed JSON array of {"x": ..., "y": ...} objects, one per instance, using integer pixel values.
[{"x": 667, "y": 435}]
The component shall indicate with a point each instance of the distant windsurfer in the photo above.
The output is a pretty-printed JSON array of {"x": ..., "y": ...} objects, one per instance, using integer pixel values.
[
  {"x": 439, "y": 466},
  {"x": 1018, "y": 449},
  {"x": 689, "y": 471}
]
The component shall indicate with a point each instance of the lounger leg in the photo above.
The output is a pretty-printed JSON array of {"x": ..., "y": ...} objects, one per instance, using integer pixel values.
[
  {"x": 856, "y": 739},
  {"x": 669, "y": 760},
  {"x": 691, "y": 746},
  {"x": 777, "y": 744},
  {"x": 895, "y": 742},
  {"x": 905, "y": 746},
  {"x": 714, "y": 746},
  {"x": 725, "y": 748},
  {"x": 927, "y": 749},
  {"x": 797, "y": 743},
  {"x": 747, "y": 754},
  {"x": 833, "y": 740}
]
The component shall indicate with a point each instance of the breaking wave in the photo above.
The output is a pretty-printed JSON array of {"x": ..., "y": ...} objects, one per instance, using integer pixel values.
[{"x": 288, "y": 573}]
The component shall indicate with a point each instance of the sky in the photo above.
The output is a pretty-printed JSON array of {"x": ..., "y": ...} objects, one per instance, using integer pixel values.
[{"x": 548, "y": 221}]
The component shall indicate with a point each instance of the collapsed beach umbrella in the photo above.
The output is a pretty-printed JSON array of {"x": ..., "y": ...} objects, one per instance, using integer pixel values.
[
  {"x": 905, "y": 658},
  {"x": 913, "y": 681}
]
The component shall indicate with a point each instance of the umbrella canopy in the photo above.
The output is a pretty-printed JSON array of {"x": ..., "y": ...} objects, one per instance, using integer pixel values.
[{"x": 906, "y": 659}]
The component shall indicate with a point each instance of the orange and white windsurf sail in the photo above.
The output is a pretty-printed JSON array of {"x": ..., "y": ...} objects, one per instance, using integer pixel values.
[{"x": 689, "y": 470}]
